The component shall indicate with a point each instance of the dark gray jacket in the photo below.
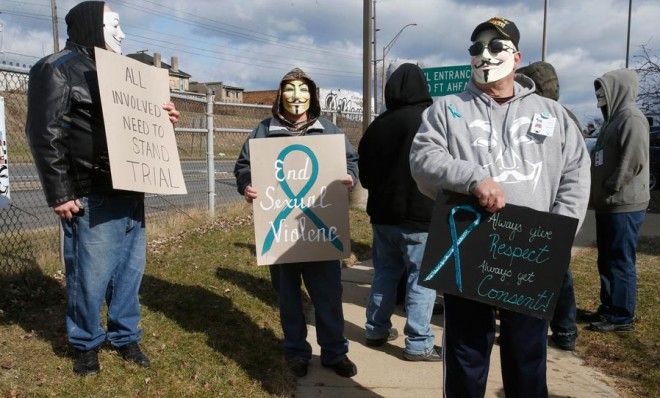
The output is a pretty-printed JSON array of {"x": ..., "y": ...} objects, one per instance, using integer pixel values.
[{"x": 621, "y": 183}]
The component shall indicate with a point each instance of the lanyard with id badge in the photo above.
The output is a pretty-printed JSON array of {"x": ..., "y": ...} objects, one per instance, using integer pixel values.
[
  {"x": 598, "y": 151},
  {"x": 543, "y": 124}
]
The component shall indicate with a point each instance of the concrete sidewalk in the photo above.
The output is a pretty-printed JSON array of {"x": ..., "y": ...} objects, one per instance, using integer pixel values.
[{"x": 383, "y": 373}]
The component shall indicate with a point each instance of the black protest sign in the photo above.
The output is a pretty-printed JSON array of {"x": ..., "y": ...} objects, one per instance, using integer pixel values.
[{"x": 515, "y": 259}]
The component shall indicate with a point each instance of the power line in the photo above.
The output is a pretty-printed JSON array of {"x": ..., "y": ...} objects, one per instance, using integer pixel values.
[
  {"x": 311, "y": 68},
  {"x": 232, "y": 32},
  {"x": 260, "y": 54},
  {"x": 248, "y": 61},
  {"x": 317, "y": 70}
]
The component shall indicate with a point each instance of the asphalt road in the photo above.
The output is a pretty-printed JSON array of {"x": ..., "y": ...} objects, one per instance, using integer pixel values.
[{"x": 30, "y": 210}]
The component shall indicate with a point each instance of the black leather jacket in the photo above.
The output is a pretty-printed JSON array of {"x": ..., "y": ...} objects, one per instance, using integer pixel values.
[{"x": 65, "y": 126}]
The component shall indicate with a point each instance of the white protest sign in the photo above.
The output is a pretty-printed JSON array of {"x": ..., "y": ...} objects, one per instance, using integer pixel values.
[
  {"x": 301, "y": 211},
  {"x": 4, "y": 161},
  {"x": 141, "y": 143}
]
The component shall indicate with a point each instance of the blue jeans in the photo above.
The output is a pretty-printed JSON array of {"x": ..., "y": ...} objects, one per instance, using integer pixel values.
[
  {"x": 395, "y": 249},
  {"x": 323, "y": 282},
  {"x": 617, "y": 235},
  {"x": 564, "y": 322},
  {"x": 104, "y": 255}
]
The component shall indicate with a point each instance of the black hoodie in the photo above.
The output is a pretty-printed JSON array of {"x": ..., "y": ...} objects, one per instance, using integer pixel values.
[
  {"x": 384, "y": 151},
  {"x": 85, "y": 24}
]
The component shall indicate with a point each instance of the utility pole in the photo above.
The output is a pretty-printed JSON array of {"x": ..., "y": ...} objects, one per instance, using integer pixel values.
[
  {"x": 628, "y": 39},
  {"x": 367, "y": 20},
  {"x": 56, "y": 35},
  {"x": 375, "y": 59},
  {"x": 545, "y": 30}
]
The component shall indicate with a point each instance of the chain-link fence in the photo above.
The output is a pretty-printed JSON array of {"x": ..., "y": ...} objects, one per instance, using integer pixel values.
[
  {"x": 29, "y": 228},
  {"x": 13, "y": 79}
]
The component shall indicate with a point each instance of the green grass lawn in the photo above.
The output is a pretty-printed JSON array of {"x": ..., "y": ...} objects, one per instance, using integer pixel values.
[
  {"x": 211, "y": 325},
  {"x": 209, "y": 314},
  {"x": 633, "y": 358}
]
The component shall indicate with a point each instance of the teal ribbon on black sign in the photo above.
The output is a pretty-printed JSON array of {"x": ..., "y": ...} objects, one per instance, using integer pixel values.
[{"x": 455, "y": 243}]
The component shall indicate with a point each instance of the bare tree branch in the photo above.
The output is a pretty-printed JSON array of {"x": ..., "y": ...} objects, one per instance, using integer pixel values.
[{"x": 648, "y": 70}]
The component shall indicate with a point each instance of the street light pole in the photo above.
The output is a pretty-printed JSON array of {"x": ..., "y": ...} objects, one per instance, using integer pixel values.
[
  {"x": 367, "y": 20},
  {"x": 545, "y": 30},
  {"x": 628, "y": 39},
  {"x": 56, "y": 36},
  {"x": 387, "y": 49},
  {"x": 375, "y": 55}
]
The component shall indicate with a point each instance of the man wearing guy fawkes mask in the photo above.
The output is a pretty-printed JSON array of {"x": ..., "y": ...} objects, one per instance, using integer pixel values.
[
  {"x": 296, "y": 112},
  {"x": 499, "y": 141},
  {"x": 104, "y": 231}
]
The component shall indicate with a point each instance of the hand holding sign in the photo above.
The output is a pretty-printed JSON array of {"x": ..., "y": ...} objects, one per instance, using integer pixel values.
[{"x": 490, "y": 195}]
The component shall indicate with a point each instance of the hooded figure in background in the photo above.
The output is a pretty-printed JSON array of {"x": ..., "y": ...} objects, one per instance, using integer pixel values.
[
  {"x": 547, "y": 83},
  {"x": 400, "y": 216},
  {"x": 296, "y": 112},
  {"x": 65, "y": 128},
  {"x": 620, "y": 196},
  {"x": 564, "y": 321}
]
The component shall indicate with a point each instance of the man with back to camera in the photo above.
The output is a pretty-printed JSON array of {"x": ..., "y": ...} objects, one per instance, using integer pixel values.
[
  {"x": 400, "y": 216},
  {"x": 104, "y": 236},
  {"x": 499, "y": 141}
]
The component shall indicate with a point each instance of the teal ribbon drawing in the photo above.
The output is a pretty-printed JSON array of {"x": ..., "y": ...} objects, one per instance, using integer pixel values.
[
  {"x": 298, "y": 199},
  {"x": 454, "y": 113},
  {"x": 455, "y": 243}
]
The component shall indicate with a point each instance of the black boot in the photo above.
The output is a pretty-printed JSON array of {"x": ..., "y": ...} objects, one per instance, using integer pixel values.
[
  {"x": 131, "y": 352},
  {"x": 86, "y": 362}
]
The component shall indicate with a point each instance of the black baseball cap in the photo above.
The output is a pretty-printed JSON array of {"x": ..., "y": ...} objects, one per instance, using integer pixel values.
[{"x": 503, "y": 26}]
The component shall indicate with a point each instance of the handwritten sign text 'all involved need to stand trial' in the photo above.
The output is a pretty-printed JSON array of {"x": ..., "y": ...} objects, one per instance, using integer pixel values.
[
  {"x": 301, "y": 211},
  {"x": 515, "y": 259},
  {"x": 141, "y": 143}
]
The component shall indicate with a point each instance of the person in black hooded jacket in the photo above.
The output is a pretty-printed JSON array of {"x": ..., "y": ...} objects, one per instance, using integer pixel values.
[
  {"x": 400, "y": 215},
  {"x": 104, "y": 238}
]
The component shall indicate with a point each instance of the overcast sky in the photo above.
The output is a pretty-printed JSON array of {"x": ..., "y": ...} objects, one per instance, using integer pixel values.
[{"x": 252, "y": 43}]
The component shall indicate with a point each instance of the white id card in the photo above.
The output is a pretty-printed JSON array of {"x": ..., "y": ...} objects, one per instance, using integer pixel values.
[
  {"x": 543, "y": 124},
  {"x": 598, "y": 159}
]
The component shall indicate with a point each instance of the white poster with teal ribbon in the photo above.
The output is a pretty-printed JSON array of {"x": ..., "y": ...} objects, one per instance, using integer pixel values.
[
  {"x": 4, "y": 162},
  {"x": 301, "y": 210}
]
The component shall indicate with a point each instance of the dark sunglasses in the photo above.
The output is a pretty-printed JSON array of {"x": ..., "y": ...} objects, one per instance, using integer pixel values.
[{"x": 494, "y": 46}]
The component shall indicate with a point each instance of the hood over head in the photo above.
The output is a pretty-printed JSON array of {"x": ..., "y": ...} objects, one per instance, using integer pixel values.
[
  {"x": 545, "y": 78},
  {"x": 85, "y": 24},
  {"x": 406, "y": 86},
  {"x": 314, "y": 110},
  {"x": 621, "y": 88}
]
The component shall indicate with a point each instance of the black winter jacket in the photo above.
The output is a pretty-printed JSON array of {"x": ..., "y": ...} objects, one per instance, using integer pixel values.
[
  {"x": 65, "y": 126},
  {"x": 384, "y": 152}
]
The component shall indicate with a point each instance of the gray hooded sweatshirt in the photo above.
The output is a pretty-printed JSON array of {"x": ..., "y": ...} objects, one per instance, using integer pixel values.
[
  {"x": 467, "y": 137},
  {"x": 621, "y": 182}
]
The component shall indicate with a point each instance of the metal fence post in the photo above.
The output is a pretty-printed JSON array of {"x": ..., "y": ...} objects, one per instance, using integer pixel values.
[
  {"x": 334, "y": 117},
  {"x": 210, "y": 152}
]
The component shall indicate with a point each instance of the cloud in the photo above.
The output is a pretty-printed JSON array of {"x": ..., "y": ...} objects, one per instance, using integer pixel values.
[{"x": 252, "y": 43}]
